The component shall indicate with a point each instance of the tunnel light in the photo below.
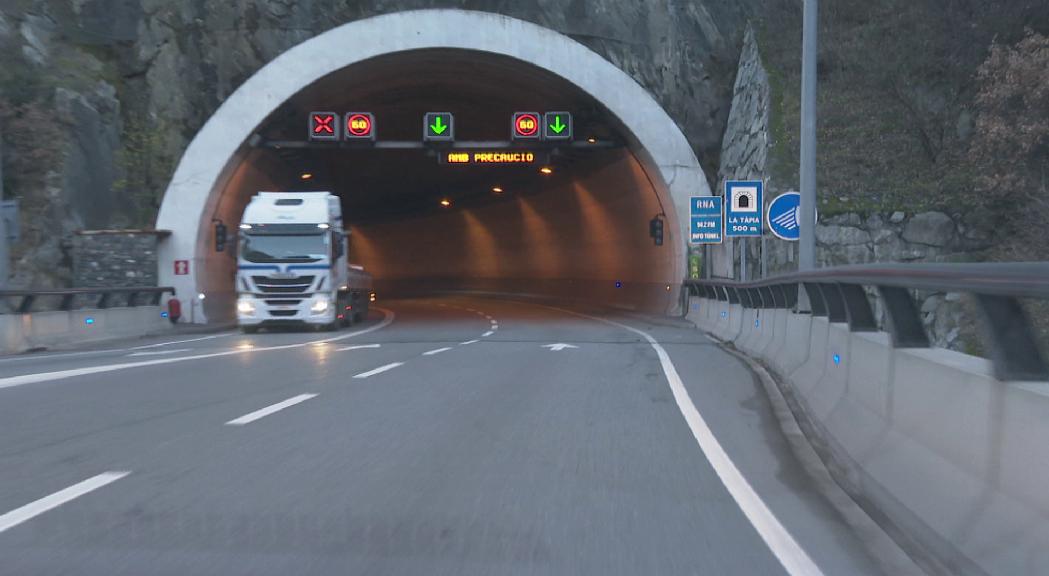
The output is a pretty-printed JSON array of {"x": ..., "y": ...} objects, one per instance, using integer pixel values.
[
  {"x": 592, "y": 140},
  {"x": 306, "y": 176},
  {"x": 546, "y": 170},
  {"x": 245, "y": 226},
  {"x": 446, "y": 202},
  {"x": 201, "y": 296},
  {"x": 497, "y": 190},
  {"x": 323, "y": 226}
]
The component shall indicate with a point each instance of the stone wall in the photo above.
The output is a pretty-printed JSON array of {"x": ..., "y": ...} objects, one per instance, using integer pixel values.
[{"x": 115, "y": 258}]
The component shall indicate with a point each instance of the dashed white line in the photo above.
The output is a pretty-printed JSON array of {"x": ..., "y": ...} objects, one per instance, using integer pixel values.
[
  {"x": 468, "y": 342},
  {"x": 487, "y": 334},
  {"x": 249, "y": 418},
  {"x": 23, "y": 379},
  {"x": 34, "y": 509},
  {"x": 379, "y": 370},
  {"x": 159, "y": 352},
  {"x": 437, "y": 351},
  {"x": 360, "y": 347}
]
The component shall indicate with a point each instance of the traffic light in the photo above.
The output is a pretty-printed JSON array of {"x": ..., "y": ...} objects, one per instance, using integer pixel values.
[
  {"x": 438, "y": 126},
  {"x": 655, "y": 230},
  {"x": 557, "y": 126},
  {"x": 221, "y": 235}
]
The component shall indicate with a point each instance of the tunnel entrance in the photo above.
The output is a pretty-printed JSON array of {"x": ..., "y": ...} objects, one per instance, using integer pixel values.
[{"x": 573, "y": 223}]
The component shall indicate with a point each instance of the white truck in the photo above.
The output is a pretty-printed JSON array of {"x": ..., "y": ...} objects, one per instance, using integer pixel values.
[{"x": 292, "y": 266}]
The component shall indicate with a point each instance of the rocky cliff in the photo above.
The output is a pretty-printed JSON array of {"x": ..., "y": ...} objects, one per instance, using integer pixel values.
[{"x": 98, "y": 98}]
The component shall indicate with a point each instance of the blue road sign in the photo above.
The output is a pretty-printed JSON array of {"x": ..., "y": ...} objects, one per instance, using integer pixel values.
[
  {"x": 783, "y": 216},
  {"x": 706, "y": 220},
  {"x": 743, "y": 208}
]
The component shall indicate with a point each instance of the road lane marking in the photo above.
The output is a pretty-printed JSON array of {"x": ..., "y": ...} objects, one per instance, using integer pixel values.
[
  {"x": 468, "y": 342},
  {"x": 34, "y": 509},
  {"x": 784, "y": 547},
  {"x": 360, "y": 347},
  {"x": 159, "y": 352},
  {"x": 159, "y": 344},
  {"x": 437, "y": 351},
  {"x": 24, "y": 379},
  {"x": 379, "y": 370},
  {"x": 487, "y": 334},
  {"x": 253, "y": 416},
  {"x": 558, "y": 347}
]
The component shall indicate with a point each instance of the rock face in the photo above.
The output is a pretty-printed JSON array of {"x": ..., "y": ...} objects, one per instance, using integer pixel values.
[{"x": 129, "y": 82}]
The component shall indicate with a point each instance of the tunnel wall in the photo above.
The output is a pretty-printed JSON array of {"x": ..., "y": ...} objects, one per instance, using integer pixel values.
[
  {"x": 574, "y": 239},
  {"x": 204, "y": 169}
]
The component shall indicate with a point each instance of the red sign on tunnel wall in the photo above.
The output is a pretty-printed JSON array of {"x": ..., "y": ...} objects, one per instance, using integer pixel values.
[
  {"x": 181, "y": 267},
  {"x": 324, "y": 126}
]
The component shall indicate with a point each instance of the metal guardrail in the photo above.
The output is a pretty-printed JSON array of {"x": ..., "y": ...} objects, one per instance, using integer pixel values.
[
  {"x": 67, "y": 297},
  {"x": 839, "y": 294}
]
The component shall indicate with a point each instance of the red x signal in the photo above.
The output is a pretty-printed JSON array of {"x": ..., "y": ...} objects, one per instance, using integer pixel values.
[{"x": 324, "y": 126}]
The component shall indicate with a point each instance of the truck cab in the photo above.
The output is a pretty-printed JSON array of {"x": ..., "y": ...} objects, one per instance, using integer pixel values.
[{"x": 291, "y": 262}]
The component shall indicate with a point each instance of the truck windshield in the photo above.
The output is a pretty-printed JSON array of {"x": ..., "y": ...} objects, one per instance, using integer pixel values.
[{"x": 280, "y": 248}]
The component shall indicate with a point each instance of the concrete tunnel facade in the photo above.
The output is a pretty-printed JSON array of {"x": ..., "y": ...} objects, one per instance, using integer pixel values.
[{"x": 578, "y": 233}]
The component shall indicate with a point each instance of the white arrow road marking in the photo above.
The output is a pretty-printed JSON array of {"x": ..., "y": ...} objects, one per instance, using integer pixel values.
[
  {"x": 34, "y": 509},
  {"x": 361, "y": 347},
  {"x": 437, "y": 351},
  {"x": 160, "y": 352},
  {"x": 379, "y": 370},
  {"x": 249, "y": 418},
  {"x": 559, "y": 346}
]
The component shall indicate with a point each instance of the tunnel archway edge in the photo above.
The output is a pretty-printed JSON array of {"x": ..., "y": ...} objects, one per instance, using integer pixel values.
[{"x": 189, "y": 199}]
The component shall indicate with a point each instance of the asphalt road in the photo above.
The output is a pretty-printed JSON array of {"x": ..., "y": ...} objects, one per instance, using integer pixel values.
[{"x": 444, "y": 436}]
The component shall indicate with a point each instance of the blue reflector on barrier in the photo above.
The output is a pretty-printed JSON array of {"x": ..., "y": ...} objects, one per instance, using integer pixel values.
[
  {"x": 757, "y": 322},
  {"x": 837, "y": 359},
  {"x": 724, "y": 314},
  {"x": 163, "y": 314},
  {"x": 89, "y": 321}
]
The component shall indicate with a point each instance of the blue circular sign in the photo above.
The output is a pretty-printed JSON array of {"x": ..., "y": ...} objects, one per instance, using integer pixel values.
[{"x": 783, "y": 216}]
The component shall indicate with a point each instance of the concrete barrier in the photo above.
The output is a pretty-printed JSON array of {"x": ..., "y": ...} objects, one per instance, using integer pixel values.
[
  {"x": 21, "y": 332},
  {"x": 928, "y": 438}
]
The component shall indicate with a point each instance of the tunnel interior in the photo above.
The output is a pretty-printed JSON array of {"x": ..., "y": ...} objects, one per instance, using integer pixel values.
[{"x": 577, "y": 230}]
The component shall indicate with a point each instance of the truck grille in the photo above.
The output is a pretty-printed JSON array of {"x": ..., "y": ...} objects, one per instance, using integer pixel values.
[
  {"x": 299, "y": 285},
  {"x": 282, "y": 312},
  {"x": 294, "y": 302}
]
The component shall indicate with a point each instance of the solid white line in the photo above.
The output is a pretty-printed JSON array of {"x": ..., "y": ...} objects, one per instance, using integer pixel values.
[
  {"x": 437, "y": 351},
  {"x": 13, "y": 381},
  {"x": 159, "y": 344},
  {"x": 468, "y": 342},
  {"x": 487, "y": 334},
  {"x": 361, "y": 347},
  {"x": 787, "y": 550},
  {"x": 379, "y": 370},
  {"x": 159, "y": 352},
  {"x": 249, "y": 418},
  {"x": 34, "y": 509}
]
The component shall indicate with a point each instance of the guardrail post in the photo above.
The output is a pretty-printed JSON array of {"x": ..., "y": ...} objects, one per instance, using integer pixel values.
[
  {"x": 768, "y": 299},
  {"x": 905, "y": 324},
  {"x": 835, "y": 304},
  {"x": 1013, "y": 346},
  {"x": 816, "y": 301},
  {"x": 858, "y": 308},
  {"x": 779, "y": 296}
]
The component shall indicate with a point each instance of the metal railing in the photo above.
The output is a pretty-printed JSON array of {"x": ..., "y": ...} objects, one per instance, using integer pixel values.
[
  {"x": 839, "y": 294},
  {"x": 135, "y": 296}
]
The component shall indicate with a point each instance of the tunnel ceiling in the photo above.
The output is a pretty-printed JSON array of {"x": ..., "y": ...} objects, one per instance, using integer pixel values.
[{"x": 481, "y": 89}]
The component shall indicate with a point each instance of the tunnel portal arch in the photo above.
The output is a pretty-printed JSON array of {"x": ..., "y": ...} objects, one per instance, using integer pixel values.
[{"x": 211, "y": 157}]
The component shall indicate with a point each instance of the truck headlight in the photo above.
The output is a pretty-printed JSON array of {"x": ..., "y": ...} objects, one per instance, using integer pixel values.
[
  {"x": 246, "y": 307},
  {"x": 320, "y": 306}
]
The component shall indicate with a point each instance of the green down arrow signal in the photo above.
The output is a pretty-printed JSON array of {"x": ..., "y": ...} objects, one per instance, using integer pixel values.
[
  {"x": 557, "y": 126},
  {"x": 438, "y": 127}
]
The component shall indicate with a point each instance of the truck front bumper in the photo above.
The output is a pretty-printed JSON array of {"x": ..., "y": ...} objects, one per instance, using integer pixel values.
[{"x": 255, "y": 310}]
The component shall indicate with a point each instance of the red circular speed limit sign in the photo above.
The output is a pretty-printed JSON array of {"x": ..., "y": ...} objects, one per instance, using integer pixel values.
[
  {"x": 359, "y": 125},
  {"x": 526, "y": 125}
]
